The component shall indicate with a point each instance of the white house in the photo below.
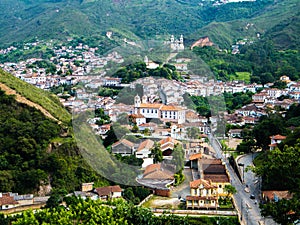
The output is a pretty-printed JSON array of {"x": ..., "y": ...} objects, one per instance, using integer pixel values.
[
  {"x": 167, "y": 113},
  {"x": 275, "y": 140},
  {"x": 143, "y": 150},
  {"x": 7, "y": 201}
]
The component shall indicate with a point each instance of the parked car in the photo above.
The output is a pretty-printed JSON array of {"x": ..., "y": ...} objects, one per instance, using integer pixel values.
[{"x": 252, "y": 196}]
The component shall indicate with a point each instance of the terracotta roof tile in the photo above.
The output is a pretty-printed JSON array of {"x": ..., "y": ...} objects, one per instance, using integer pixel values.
[
  {"x": 217, "y": 178},
  {"x": 106, "y": 191},
  {"x": 146, "y": 144},
  {"x": 171, "y": 108},
  {"x": 278, "y": 137},
  {"x": 125, "y": 142},
  {"x": 6, "y": 199},
  {"x": 280, "y": 194},
  {"x": 195, "y": 156},
  {"x": 205, "y": 183},
  {"x": 157, "y": 172},
  {"x": 152, "y": 106}
]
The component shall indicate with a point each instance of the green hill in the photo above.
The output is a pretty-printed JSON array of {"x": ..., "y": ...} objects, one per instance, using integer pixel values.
[
  {"x": 278, "y": 22},
  {"x": 35, "y": 148},
  {"x": 23, "y": 20},
  {"x": 46, "y": 100}
]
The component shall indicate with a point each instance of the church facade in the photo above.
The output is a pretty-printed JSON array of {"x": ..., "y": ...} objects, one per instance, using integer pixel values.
[
  {"x": 177, "y": 45},
  {"x": 166, "y": 113}
]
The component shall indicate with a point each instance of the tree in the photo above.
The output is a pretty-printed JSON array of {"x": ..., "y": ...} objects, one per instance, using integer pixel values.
[
  {"x": 178, "y": 157},
  {"x": 267, "y": 126},
  {"x": 230, "y": 190},
  {"x": 135, "y": 128},
  {"x": 156, "y": 153},
  {"x": 284, "y": 211},
  {"x": 193, "y": 132},
  {"x": 286, "y": 174}
]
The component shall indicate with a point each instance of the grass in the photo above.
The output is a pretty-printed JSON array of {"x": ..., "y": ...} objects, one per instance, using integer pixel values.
[
  {"x": 47, "y": 100},
  {"x": 245, "y": 76}
]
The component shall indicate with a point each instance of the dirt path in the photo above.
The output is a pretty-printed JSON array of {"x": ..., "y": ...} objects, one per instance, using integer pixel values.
[{"x": 24, "y": 100}]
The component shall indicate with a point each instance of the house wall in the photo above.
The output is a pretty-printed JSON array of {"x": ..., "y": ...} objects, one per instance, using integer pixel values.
[
  {"x": 122, "y": 149},
  {"x": 142, "y": 153},
  {"x": 4, "y": 207},
  {"x": 150, "y": 113},
  {"x": 116, "y": 194}
]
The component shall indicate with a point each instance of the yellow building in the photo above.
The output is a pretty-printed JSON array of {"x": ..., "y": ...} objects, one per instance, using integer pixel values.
[{"x": 203, "y": 195}]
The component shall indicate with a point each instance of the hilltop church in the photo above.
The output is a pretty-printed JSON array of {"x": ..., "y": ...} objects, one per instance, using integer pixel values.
[
  {"x": 176, "y": 45},
  {"x": 166, "y": 113}
]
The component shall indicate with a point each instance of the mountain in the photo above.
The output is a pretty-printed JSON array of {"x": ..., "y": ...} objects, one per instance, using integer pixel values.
[
  {"x": 24, "y": 19},
  {"x": 278, "y": 22}
]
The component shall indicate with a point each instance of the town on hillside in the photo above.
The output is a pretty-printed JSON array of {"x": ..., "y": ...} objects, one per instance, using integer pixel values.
[{"x": 171, "y": 141}]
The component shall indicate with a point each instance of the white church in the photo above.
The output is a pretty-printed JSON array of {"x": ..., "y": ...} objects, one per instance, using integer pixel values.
[
  {"x": 176, "y": 45},
  {"x": 166, "y": 113}
]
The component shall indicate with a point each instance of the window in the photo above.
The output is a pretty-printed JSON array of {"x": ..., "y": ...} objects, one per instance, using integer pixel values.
[{"x": 220, "y": 186}]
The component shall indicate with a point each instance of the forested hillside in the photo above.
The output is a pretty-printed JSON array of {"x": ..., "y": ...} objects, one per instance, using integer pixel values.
[
  {"x": 21, "y": 20},
  {"x": 278, "y": 22},
  {"x": 35, "y": 151}
]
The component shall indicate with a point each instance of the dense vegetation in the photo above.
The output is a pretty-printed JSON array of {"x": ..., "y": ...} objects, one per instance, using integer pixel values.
[
  {"x": 78, "y": 211},
  {"x": 139, "y": 70},
  {"x": 284, "y": 176},
  {"x": 33, "y": 153},
  {"x": 207, "y": 106},
  {"x": 279, "y": 169},
  {"x": 48, "y": 101},
  {"x": 272, "y": 124},
  {"x": 260, "y": 60},
  {"x": 61, "y": 19}
]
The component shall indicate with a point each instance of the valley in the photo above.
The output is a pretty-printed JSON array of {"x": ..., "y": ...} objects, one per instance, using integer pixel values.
[{"x": 121, "y": 112}]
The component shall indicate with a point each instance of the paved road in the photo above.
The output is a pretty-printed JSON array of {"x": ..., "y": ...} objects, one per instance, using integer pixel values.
[{"x": 248, "y": 210}]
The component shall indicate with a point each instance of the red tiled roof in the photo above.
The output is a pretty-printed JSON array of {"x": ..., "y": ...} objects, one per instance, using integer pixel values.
[
  {"x": 278, "y": 137},
  {"x": 106, "y": 191},
  {"x": 155, "y": 171},
  {"x": 151, "y": 168},
  {"x": 146, "y": 144},
  {"x": 273, "y": 145},
  {"x": 6, "y": 199},
  {"x": 136, "y": 116},
  {"x": 195, "y": 156},
  {"x": 280, "y": 194},
  {"x": 160, "y": 175},
  {"x": 205, "y": 183},
  {"x": 125, "y": 142},
  {"x": 170, "y": 108},
  {"x": 214, "y": 169},
  {"x": 217, "y": 178},
  {"x": 210, "y": 161},
  {"x": 152, "y": 106}
]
